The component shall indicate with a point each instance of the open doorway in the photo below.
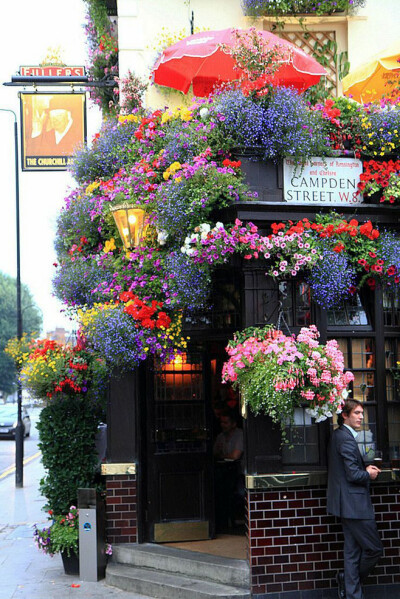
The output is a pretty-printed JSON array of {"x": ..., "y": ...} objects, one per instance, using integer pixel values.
[{"x": 194, "y": 493}]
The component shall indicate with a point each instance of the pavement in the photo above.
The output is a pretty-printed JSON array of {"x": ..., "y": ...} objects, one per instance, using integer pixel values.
[{"x": 25, "y": 572}]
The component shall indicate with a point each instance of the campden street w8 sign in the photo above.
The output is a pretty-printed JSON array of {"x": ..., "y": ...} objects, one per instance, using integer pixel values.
[{"x": 322, "y": 180}]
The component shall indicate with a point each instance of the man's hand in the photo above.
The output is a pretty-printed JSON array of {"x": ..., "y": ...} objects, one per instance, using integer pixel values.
[{"x": 373, "y": 472}]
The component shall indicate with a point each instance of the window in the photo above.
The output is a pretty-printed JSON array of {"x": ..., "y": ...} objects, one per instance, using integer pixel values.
[
  {"x": 295, "y": 301},
  {"x": 180, "y": 424},
  {"x": 371, "y": 352},
  {"x": 393, "y": 394},
  {"x": 391, "y": 308},
  {"x": 351, "y": 313},
  {"x": 225, "y": 311},
  {"x": 302, "y": 438}
]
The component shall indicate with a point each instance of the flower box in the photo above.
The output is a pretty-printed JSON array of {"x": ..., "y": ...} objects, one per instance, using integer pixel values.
[
  {"x": 299, "y": 8},
  {"x": 265, "y": 177}
]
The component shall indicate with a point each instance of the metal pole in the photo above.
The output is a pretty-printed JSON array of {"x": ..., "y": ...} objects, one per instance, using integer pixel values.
[{"x": 19, "y": 431}]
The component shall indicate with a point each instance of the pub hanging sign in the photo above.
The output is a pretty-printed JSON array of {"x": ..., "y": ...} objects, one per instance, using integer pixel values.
[
  {"x": 53, "y": 126},
  {"x": 326, "y": 180}
]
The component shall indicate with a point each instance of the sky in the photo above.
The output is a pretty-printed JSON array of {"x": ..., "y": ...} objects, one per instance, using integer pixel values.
[{"x": 29, "y": 29}]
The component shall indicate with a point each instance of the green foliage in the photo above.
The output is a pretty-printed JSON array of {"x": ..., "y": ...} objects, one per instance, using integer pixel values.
[
  {"x": 67, "y": 428},
  {"x": 61, "y": 536},
  {"x": 97, "y": 11},
  {"x": 32, "y": 321},
  {"x": 65, "y": 533},
  {"x": 102, "y": 55}
]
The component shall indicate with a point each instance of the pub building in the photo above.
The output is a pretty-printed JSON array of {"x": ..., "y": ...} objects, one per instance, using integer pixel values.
[{"x": 276, "y": 538}]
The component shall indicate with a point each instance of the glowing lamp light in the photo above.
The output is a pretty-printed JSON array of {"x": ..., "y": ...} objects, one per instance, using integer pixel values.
[{"x": 131, "y": 224}]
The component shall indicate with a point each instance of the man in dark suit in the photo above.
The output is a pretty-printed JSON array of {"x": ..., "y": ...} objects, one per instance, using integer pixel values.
[{"x": 349, "y": 499}]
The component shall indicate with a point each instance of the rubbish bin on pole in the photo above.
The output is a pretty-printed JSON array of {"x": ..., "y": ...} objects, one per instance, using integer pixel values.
[{"x": 92, "y": 546}]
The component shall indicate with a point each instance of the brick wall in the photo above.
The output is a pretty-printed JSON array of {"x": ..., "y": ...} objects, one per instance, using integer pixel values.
[
  {"x": 295, "y": 547},
  {"x": 121, "y": 507}
]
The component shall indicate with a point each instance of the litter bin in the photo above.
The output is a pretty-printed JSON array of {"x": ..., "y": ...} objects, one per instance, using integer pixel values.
[{"x": 92, "y": 546}]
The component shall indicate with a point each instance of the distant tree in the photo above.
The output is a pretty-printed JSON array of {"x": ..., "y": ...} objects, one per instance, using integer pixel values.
[{"x": 31, "y": 322}]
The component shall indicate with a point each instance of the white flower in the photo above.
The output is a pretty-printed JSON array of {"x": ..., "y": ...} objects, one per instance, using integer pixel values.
[
  {"x": 203, "y": 112},
  {"x": 219, "y": 225},
  {"x": 162, "y": 237}
]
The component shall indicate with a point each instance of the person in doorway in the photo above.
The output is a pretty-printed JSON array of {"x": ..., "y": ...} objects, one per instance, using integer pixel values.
[
  {"x": 349, "y": 499},
  {"x": 229, "y": 442},
  {"x": 229, "y": 478}
]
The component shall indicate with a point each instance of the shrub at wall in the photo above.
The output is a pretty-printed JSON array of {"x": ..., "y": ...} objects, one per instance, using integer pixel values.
[{"x": 67, "y": 430}]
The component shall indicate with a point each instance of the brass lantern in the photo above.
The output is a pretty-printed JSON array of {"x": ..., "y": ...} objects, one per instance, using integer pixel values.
[{"x": 130, "y": 223}]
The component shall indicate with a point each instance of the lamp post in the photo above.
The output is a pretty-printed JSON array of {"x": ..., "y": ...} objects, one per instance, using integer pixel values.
[{"x": 19, "y": 431}]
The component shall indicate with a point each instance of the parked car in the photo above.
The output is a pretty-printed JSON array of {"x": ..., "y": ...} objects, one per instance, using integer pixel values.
[{"x": 9, "y": 418}]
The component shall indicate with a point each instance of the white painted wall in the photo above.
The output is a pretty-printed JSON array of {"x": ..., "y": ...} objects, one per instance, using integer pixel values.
[
  {"x": 377, "y": 27},
  {"x": 374, "y": 27}
]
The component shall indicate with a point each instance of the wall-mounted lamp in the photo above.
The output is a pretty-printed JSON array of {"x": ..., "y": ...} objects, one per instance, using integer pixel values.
[{"x": 131, "y": 224}]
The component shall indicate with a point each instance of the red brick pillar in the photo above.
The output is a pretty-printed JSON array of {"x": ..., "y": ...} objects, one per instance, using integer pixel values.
[{"x": 121, "y": 508}]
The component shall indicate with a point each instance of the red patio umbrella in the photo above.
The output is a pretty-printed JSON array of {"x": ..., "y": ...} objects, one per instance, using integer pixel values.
[{"x": 200, "y": 60}]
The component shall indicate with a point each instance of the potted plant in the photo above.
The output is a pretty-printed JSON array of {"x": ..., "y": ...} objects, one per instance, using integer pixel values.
[
  {"x": 62, "y": 537},
  {"x": 275, "y": 373}
]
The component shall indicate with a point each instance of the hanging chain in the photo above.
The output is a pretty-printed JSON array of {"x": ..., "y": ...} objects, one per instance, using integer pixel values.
[{"x": 282, "y": 319}]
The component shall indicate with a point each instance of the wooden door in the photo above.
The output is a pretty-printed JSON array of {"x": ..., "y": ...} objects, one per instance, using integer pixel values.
[{"x": 179, "y": 452}]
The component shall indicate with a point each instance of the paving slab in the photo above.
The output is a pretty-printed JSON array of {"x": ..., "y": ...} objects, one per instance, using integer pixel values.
[{"x": 25, "y": 572}]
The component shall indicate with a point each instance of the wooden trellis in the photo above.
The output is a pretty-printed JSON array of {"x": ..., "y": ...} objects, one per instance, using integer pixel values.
[{"x": 317, "y": 43}]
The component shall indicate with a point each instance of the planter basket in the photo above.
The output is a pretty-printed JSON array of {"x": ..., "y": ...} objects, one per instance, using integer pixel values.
[
  {"x": 265, "y": 177},
  {"x": 70, "y": 563},
  {"x": 374, "y": 198}
]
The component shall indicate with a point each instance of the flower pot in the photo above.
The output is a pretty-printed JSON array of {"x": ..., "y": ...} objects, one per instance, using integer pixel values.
[
  {"x": 264, "y": 177},
  {"x": 70, "y": 563}
]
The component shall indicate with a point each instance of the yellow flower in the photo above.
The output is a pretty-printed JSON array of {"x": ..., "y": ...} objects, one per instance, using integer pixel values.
[
  {"x": 186, "y": 114},
  {"x": 166, "y": 117},
  {"x": 175, "y": 166},
  {"x": 109, "y": 245},
  {"x": 128, "y": 118},
  {"x": 92, "y": 186}
]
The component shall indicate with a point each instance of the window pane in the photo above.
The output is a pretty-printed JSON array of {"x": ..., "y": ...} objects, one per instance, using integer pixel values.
[
  {"x": 179, "y": 419},
  {"x": 352, "y": 312},
  {"x": 295, "y": 298},
  {"x": 392, "y": 369},
  {"x": 363, "y": 352},
  {"x": 390, "y": 387},
  {"x": 391, "y": 308},
  {"x": 391, "y": 353},
  {"x": 366, "y": 438},
  {"x": 363, "y": 386},
  {"x": 303, "y": 437},
  {"x": 343, "y": 345},
  {"x": 394, "y": 430}
]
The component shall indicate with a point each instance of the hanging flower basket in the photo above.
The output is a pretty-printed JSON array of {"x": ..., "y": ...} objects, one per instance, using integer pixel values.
[{"x": 275, "y": 373}]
